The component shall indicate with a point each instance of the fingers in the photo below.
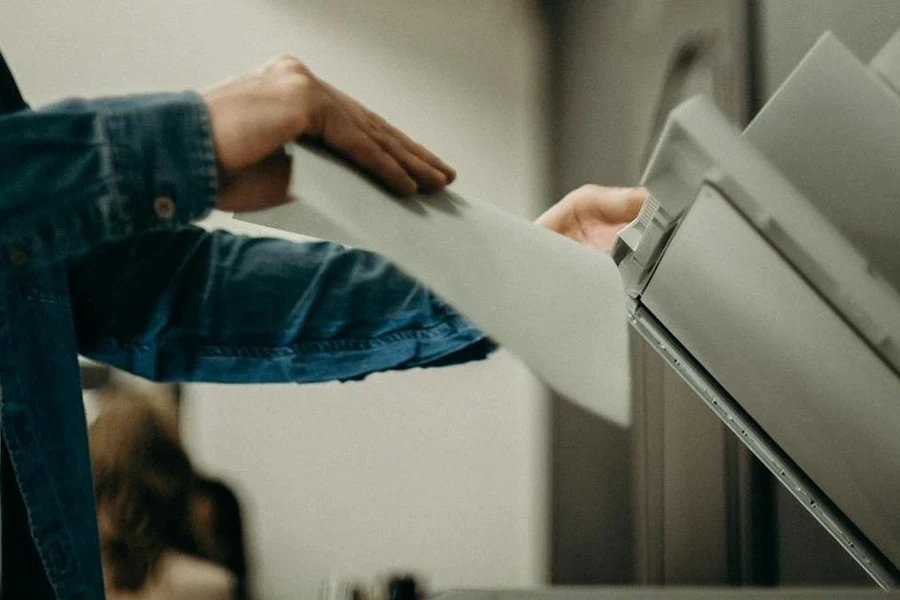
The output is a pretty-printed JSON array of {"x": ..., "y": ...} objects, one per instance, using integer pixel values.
[
  {"x": 376, "y": 161},
  {"x": 282, "y": 101},
  {"x": 615, "y": 205},
  {"x": 626, "y": 203},
  {"x": 593, "y": 215},
  {"x": 635, "y": 202},
  {"x": 382, "y": 155},
  {"x": 264, "y": 185},
  {"x": 355, "y": 144},
  {"x": 427, "y": 176},
  {"x": 429, "y": 171},
  {"x": 416, "y": 149}
]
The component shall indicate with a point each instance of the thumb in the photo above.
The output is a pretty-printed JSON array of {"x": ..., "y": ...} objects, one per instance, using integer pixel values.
[
  {"x": 263, "y": 185},
  {"x": 618, "y": 206}
]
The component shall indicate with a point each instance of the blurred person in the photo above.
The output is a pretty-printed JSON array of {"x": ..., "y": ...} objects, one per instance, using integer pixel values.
[
  {"x": 217, "y": 529},
  {"x": 122, "y": 388},
  {"x": 215, "y": 521},
  {"x": 98, "y": 257},
  {"x": 144, "y": 482},
  {"x": 405, "y": 587}
]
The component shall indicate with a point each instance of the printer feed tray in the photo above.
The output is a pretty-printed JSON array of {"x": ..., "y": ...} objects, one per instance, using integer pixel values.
[{"x": 811, "y": 392}]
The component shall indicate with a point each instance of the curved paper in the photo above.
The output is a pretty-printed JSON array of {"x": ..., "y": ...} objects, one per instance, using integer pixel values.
[{"x": 557, "y": 305}]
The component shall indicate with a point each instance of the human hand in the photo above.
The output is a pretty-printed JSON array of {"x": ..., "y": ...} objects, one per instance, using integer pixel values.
[
  {"x": 253, "y": 116},
  {"x": 593, "y": 215}
]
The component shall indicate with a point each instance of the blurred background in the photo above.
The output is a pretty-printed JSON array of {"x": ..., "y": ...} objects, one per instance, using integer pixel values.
[{"x": 476, "y": 476}]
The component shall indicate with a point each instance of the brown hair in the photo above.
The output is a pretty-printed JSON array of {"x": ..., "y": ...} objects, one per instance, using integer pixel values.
[{"x": 142, "y": 480}]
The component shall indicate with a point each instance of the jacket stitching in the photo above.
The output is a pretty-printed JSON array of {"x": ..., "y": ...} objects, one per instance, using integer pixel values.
[{"x": 450, "y": 325}]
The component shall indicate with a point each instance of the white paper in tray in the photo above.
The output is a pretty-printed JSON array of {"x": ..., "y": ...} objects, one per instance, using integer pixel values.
[{"x": 557, "y": 305}]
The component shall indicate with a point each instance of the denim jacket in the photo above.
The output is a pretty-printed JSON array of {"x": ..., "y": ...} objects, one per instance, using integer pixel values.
[{"x": 97, "y": 258}]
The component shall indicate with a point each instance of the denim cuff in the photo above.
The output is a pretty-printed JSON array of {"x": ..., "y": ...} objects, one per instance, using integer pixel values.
[
  {"x": 163, "y": 162},
  {"x": 81, "y": 173}
]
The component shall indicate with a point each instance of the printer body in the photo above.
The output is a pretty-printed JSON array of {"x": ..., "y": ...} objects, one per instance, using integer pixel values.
[{"x": 765, "y": 270}]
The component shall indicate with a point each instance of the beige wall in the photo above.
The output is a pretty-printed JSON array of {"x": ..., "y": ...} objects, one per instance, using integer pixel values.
[{"x": 442, "y": 471}]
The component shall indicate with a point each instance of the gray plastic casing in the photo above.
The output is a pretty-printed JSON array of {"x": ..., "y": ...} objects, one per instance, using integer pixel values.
[{"x": 766, "y": 267}]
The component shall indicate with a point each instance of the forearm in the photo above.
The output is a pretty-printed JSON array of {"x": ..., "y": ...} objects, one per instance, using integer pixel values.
[
  {"x": 82, "y": 173},
  {"x": 199, "y": 306}
]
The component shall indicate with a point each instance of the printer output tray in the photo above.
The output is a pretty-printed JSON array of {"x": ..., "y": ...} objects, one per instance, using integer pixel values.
[{"x": 817, "y": 406}]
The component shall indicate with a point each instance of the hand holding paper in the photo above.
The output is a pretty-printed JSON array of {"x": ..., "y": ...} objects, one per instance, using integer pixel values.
[
  {"x": 556, "y": 304},
  {"x": 254, "y": 115},
  {"x": 592, "y": 215}
]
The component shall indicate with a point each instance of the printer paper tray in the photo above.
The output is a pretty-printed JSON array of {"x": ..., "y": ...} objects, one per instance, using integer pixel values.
[
  {"x": 731, "y": 316},
  {"x": 762, "y": 446}
]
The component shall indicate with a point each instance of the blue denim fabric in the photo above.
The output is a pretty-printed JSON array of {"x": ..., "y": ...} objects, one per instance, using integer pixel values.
[{"x": 87, "y": 266}]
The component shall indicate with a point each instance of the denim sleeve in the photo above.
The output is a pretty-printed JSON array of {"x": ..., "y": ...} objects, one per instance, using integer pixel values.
[
  {"x": 81, "y": 173},
  {"x": 196, "y": 306}
]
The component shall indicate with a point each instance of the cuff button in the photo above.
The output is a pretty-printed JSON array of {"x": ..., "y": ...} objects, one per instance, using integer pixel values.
[{"x": 164, "y": 207}]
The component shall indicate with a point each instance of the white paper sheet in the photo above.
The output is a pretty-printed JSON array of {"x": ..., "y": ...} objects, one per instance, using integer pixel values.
[{"x": 557, "y": 305}]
